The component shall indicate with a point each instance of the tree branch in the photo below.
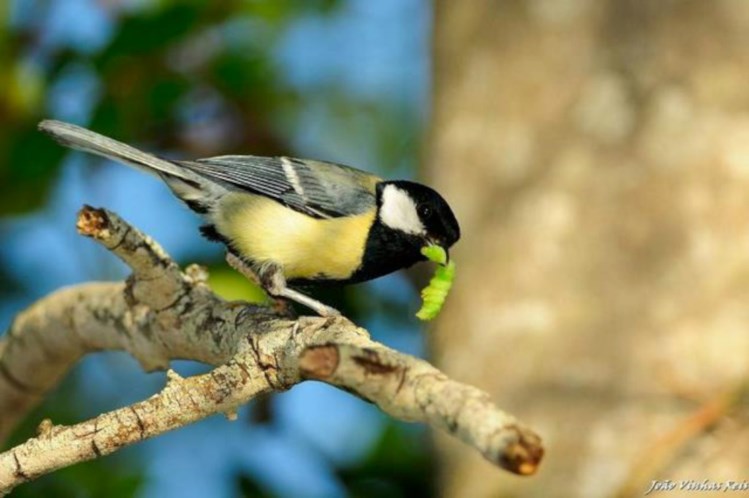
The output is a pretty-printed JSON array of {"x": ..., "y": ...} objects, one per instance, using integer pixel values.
[{"x": 161, "y": 313}]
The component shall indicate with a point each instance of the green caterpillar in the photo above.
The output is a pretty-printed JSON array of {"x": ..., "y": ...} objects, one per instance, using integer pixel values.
[{"x": 435, "y": 293}]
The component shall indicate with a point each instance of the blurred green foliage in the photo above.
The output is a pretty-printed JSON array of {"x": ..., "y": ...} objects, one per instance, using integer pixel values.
[
  {"x": 157, "y": 57},
  {"x": 224, "y": 282},
  {"x": 396, "y": 467}
]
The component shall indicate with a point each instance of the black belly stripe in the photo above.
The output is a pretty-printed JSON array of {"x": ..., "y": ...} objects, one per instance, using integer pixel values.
[
  {"x": 210, "y": 233},
  {"x": 386, "y": 251}
]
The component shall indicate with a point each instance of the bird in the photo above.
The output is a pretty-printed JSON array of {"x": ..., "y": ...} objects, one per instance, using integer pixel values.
[{"x": 293, "y": 222}]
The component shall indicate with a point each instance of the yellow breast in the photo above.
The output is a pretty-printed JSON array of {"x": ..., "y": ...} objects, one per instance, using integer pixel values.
[{"x": 265, "y": 230}]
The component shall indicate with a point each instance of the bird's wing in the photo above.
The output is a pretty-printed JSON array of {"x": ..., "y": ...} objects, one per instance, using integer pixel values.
[{"x": 316, "y": 188}]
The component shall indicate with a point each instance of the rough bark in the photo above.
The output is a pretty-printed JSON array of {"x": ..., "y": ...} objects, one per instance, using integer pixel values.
[
  {"x": 597, "y": 155},
  {"x": 161, "y": 314}
]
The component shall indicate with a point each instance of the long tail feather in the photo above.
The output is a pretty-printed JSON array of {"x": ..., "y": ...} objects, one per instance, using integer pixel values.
[{"x": 79, "y": 138}]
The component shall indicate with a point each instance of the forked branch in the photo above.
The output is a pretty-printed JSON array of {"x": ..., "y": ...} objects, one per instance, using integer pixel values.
[{"x": 161, "y": 313}]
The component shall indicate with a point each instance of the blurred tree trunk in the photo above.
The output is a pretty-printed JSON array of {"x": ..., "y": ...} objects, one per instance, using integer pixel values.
[{"x": 597, "y": 156}]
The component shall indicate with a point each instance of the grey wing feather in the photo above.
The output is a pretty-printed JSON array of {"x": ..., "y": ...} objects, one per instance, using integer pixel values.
[{"x": 316, "y": 188}]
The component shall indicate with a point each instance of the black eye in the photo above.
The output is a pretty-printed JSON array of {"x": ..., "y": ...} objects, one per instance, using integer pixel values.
[{"x": 425, "y": 211}]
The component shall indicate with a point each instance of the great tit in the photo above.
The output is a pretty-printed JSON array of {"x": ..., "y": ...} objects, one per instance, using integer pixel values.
[{"x": 294, "y": 221}]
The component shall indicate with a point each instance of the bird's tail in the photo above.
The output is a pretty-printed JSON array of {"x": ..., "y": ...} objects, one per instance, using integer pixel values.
[{"x": 79, "y": 138}]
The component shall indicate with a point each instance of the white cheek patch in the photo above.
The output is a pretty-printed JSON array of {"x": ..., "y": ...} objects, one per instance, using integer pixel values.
[{"x": 398, "y": 211}]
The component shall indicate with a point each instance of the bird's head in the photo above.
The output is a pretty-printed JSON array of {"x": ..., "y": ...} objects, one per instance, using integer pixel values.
[{"x": 418, "y": 212}]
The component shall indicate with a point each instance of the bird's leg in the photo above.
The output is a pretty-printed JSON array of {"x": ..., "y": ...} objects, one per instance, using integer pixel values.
[
  {"x": 247, "y": 272},
  {"x": 243, "y": 268},
  {"x": 271, "y": 279},
  {"x": 275, "y": 283}
]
